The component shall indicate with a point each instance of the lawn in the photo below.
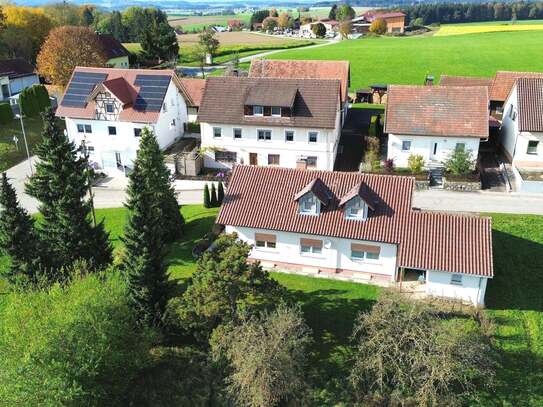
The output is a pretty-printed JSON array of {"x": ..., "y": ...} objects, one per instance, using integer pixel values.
[
  {"x": 514, "y": 300},
  {"x": 11, "y": 155},
  {"x": 489, "y": 26},
  {"x": 192, "y": 23},
  {"x": 407, "y": 60}
]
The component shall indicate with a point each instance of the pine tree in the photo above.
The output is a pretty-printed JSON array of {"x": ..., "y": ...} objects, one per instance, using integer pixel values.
[
  {"x": 220, "y": 193},
  {"x": 207, "y": 198},
  {"x": 60, "y": 183},
  {"x": 143, "y": 262},
  {"x": 18, "y": 238},
  {"x": 213, "y": 198}
]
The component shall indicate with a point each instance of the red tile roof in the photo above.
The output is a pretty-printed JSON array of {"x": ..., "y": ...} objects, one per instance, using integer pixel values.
[
  {"x": 263, "y": 198},
  {"x": 447, "y": 80},
  {"x": 448, "y": 111},
  {"x": 121, "y": 89},
  {"x": 503, "y": 83},
  {"x": 112, "y": 47},
  {"x": 128, "y": 114},
  {"x": 303, "y": 69},
  {"x": 372, "y": 15},
  {"x": 194, "y": 88},
  {"x": 530, "y": 104}
]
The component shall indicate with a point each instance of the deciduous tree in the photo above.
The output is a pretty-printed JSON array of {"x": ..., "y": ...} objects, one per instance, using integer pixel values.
[
  {"x": 209, "y": 42},
  {"x": 32, "y": 21},
  {"x": 378, "y": 26},
  {"x": 319, "y": 30},
  {"x": 269, "y": 23},
  {"x": 283, "y": 21},
  {"x": 346, "y": 28},
  {"x": 66, "y": 48},
  {"x": 159, "y": 42},
  {"x": 345, "y": 12}
]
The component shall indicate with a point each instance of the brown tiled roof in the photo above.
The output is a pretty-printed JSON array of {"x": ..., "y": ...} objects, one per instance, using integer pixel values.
[
  {"x": 263, "y": 198},
  {"x": 194, "y": 89},
  {"x": 319, "y": 188},
  {"x": 303, "y": 69},
  {"x": 274, "y": 93},
  {"x": 503, "y": 83},
  {"x": 361, "y": 190},
  {"x": 447, "y": 80},
  {"x": 530, "y": 104},
  {"x": 316, "y": 104},
  {"x": 450, "y": 111},
  {"x": 112, "y": 47},
  {"x": 120, "y": 88},
  {"x": 15, "y": 68},
  {"x": 372, "y": 15},
  {"x": 129, "y": 113}
]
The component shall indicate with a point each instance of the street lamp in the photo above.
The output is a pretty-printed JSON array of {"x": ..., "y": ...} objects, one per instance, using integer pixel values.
[
  {"x": 20, "y": 117},
  {"x": 85, "y": 152}
]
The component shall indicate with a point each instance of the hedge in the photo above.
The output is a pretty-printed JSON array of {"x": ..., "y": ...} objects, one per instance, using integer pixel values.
[
  {"x": 28, "y": 103},
  {"x": 6, "y": 114}
]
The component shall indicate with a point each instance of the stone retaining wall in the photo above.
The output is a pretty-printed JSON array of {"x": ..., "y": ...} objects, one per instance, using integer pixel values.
[
  {"x": 461, "y": 185},
  {"x": 422, "y": 185}
]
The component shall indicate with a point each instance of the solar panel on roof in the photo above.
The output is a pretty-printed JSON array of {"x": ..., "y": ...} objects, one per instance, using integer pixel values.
[
  {"x": 80, "y": 88},
  {"x": 152, "y": 91}
]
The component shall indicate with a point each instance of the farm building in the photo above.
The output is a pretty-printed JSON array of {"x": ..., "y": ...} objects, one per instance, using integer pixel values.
[{"x": 395, "y": 21}]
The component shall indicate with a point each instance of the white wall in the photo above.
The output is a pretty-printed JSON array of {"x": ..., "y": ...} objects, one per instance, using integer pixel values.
[
  {"x": 438, "y": 284},
  {"x": 176, "y": 109},
  {"x": 423, "y": 145},
  {"x": 509, "y": 129},
  {"x": 18, "y": 84},
  {"x": 336, "y": 257},
  {"x": 324, "y": 149}
]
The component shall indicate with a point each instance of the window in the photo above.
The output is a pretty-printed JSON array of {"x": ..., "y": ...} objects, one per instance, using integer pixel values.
[
  {"x": 406, "y": 145},
  {"x": 88, "y": 128},
  {"x": 289, "y": 135},
  {"x": 109, "y": 108},
  {"x": 80, "y": 128},
  {"x": 237, "y": 133},
  {"x": 264, "y": 240},
  {"x": 217, "y": 132},
  {"x": 273, "y": 159},
  {"x": 164, "y": 107},
  {"x": 112, "y": 130},
  {"x": 313, "y": 136},
  {"x": 360, "y": 252},
  {"x": 310, "y": 246},
  {"x": 311, "y": 162},
  {"x": 137, "y": 132},
  {"x": 460, "y": 147},
  {"x": 258, "y": 110},
  {"x": 309, "y": 205},
  {"x": 532, "y": 147},
  {"x": 456, "y": 279},
  {"x": 264, "y": 134},
  {"x": 172, "y": 124},
  {"x": 355, "y": 209},
  {"x": 276, "y": 111},
  {"x": 225, "y": 156}
]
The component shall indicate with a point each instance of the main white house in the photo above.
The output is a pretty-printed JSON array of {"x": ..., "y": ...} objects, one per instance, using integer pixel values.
[
  {"x": 107, "y": 108},
  {"x": 434, "y": 121},
  {"x": 356, "y": 226},
  {"x": 270, "y": 121}
]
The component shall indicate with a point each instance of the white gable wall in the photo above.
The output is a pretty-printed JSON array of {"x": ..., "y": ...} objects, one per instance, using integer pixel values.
[
  {"x": 472, "y": 290},
  {"x": 424, "y": 145},
  {"x": 176, "y": 109}
]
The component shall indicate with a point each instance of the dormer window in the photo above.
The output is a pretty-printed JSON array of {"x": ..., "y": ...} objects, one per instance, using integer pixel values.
[
  {"x": 357, "y": 202},
  {"x": 313, "y": 197},
  {"x": 258, "y": 110},
  {"x": 309, "y": 205},
  {"x": 356, "y": 209},
  {"x": 276, "y": 111}
]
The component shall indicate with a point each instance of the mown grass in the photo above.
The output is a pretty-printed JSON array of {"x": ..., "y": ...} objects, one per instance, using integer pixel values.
[
  {"x": 514, "y": 300},
  {"x": 407, "y": 60}
]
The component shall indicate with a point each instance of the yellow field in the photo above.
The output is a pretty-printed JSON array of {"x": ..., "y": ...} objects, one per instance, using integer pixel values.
[{"x": 459, "y": 29}]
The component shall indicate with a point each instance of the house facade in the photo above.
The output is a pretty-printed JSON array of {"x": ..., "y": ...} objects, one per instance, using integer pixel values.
[
  {"x": 293, "y": 123},
  {"x": 395, "y": 21},
  {"x": 108, "y": 108},
  {"x": 16, "y": 75},
  {"x": 117, "y": 54},
  {"x": 332, "y": 28},
  {"x": 358, "y": 227},
  {"x": 434, "y": 121}
]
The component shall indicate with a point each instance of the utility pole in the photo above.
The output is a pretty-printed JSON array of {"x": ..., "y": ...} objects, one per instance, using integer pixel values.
[{"x": 26, "y": 143}]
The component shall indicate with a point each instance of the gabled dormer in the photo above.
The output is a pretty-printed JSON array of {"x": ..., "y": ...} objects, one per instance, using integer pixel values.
[
  {"x": 111, "y": 97},
  {"x": 313, "y": 198},
  {"x": 270, "y": 99},
  {"x": 356, "y": 203}
]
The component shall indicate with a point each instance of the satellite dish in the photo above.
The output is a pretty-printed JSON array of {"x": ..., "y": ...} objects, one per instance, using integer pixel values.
[{"x": 327, "y": 244}]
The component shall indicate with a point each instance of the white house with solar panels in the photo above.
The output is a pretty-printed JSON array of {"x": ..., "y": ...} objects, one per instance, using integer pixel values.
[{"x": 107, "y": 109}]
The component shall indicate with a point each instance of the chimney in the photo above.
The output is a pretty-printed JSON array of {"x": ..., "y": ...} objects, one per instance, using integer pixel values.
[{"x": 429, "y": 80}]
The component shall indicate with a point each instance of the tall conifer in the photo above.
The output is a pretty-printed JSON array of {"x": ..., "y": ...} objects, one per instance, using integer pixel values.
[{"x": 213, "y": 199}]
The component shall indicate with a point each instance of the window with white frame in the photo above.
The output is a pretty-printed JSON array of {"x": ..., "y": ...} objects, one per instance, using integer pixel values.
[
  {"x": 289, "y": 135},
  {"x": 276, "y": 111},
  {"x": 313, "y": 135},
  {"x": 258, "y": 110},
  {"x": 532, "y": 147},
  {"x": 217, "y": 132},
  {"x": 456, "y": 279},
  {"x": 356, "y": 208},
  {"x": 264, "y": 135},
  {"x": 88, "y": 128},
  {"x": 237, "y": 133},
  {"x": 265, "y": 240},
  {"x": 310, "y": 246},
  {"x": 80, "y": 128},
  {"x": 309, "y": 204},
  {"x": 460, "y": 147},
  {"x": 362, "y": 252},
  {"x": 406, "y": 145}
]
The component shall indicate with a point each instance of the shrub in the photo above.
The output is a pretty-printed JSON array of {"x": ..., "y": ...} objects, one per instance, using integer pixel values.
[
  {"x": 193, "y": 127},
  {"x": 415, "y": 162},
  {"x": 207, "y": 197},
  {"x": 6, "y": 114},
  {"x": 42, "y": 97},
  {"x": 269, "y": 24},
  {"x": 214, "y": 201},
  {"x": 379, "y": 26},
  {"x": 372, "y": 131},
  {"x": 29, "y": 103},
  {"x": 319, "y": 30},
  {"x": 459, "y": 162},
  {"x": 389, "y": 165}
]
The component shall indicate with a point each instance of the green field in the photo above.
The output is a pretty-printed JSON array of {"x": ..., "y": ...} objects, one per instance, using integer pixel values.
[
  {"x": 197, "y": 23},
  {"x": 407, "y": 60},
  {"x": 514, "y": 301}
]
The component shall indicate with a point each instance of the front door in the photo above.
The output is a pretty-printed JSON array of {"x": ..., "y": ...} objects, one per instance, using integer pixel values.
[
  {"x": 433, "y": 150},
  {"x": 253, "y": 158}
]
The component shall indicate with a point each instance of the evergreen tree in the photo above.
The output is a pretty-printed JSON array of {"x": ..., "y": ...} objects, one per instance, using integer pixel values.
[
  {"x": 60, "y": 183},
  {"x": 332, "y": 13},
  {"x": 207, "y": 198},
  {"x": 18, "y": 238},
  {"x": 213, "y": 199},
  {"x": 220, "y": 193}
]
